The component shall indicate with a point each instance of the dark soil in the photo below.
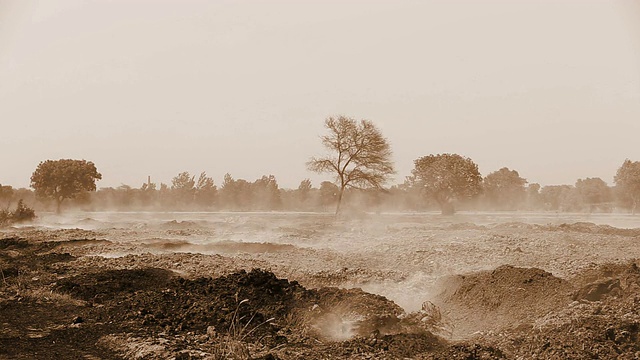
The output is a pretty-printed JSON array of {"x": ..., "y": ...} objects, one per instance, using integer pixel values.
[{"x": 52, "y": 308}]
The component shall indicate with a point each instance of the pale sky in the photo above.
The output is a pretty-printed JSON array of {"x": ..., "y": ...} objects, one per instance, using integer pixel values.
[{"x": 548, "y": 88}]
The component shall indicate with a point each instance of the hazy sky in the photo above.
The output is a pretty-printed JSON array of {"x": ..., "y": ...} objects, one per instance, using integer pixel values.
[{"x": 548, "y": 88}]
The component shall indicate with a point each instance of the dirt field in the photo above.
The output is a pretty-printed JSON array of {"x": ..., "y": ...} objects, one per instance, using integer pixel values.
[{"x": 306, "y": 286}]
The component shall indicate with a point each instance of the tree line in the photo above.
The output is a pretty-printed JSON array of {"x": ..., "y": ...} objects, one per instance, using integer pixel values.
[{"x": 358, "y": 158}]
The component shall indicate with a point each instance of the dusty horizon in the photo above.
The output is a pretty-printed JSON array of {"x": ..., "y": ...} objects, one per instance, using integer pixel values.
[{"x": 549, "y": 89}]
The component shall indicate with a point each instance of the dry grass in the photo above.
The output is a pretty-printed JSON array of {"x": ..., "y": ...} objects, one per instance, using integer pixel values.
[{"x": 233, "y": 345}]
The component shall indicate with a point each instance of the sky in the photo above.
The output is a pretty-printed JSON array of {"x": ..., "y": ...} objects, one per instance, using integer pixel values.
[{"x": 156, "y": 87}]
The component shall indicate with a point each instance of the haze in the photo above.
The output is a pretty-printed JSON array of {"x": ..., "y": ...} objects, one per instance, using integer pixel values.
[{"x": 548, "y": 88}]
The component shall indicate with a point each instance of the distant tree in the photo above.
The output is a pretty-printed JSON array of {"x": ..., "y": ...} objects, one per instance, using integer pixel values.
[
  {"x": 446, "y": 178},
  {"x": 593, "y": 192},
  {"x": 328, "y": 193},
  {"x": 148, "y": 193},
  {"x": 148, "y": 186},
  {"x": 64, "y": 179},
  {"x": 561, "y": 197},
  {"x": 205, "y": 190},
  {"x": 228, "y": 192},
  {"x": 6, "y": 195},
  {"x": 164, "y": 195},
  {"x": 183, "y": 188},
  {"x": 303, "y": 190},
  {"x": 534, "y": 200},
  {"x": 505, "y": 189},
  {"x": 360, "y": 156},
  {"x": 627, "y": 181},
  {"x": 183, "y": 181},
  {"x": 125, "y": 196},
  {"x": 265, "y": 193},
  {"x": 235, "y": 194}
]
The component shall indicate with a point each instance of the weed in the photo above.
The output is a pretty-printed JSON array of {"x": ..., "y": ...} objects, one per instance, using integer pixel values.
[{"x": 232, "y": 345}]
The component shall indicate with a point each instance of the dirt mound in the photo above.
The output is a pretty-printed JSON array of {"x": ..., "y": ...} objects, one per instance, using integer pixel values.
[
  {"x": 242, "y": 300},
  {"x": 608, "y": 329},
  {"x": 464, "y": 226},
  {"x": 591, "y": 228},
  {"x": 179, "y": 225},
  {"x": 109, "y": 284},
  {"x": 255, "y": 306},
  {"x": 58, "y": 234},
  {"x": 19, "y": 256},
  {"x": 608, "y": 280},
  {"x": 340, "y": 314},
  {"x": 515, "y": 225},
  {"x": 12, "y": 243},
  {"x": 397, "y": 346},
  {"x": 505, "y": 297},
  {"x": 223, "y": 247}
]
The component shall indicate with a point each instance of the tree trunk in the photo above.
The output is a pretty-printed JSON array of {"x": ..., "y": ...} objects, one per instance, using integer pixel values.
[
  {"x": 339, "y": 200},
  {"x": 447, "y": 208},
  {"x": 58, "y": 205},
  {"x": 446, "y": 205}
]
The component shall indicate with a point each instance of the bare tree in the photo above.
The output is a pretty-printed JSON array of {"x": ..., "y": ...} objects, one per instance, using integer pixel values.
[{"x": 360, "y": 156}]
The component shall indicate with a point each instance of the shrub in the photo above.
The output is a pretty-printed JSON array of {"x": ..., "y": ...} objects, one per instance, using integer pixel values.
[{"x": 22, "y": 213}]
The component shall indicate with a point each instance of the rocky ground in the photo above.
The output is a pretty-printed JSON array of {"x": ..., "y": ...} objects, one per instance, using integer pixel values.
[{"x": 316, "y": 288}]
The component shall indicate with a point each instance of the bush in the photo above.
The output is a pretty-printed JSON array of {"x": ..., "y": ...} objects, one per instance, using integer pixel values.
[{"x": 22, "y": 213}]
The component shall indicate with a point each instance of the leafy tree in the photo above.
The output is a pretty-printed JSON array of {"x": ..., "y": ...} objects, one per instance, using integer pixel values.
[
  {"x": 235, "y": 194},
  {"x": 164, "y": 195},
  {"x": 148, "y": 193},
  {"x": 64, "y": 179},
  {"x": 205, "y": 190},
  {"x": 303, "y": 190},
  {"x": 534, "y": 201},
  {"x": 627, "y": 181},
  {"x": 124, "y": 195},
  {"x": 6, "y": 195},
  {"x": 328, "y": 193},
  {"x": 183, "y": 188},
  {"x": 148, "y": 186},
  {"x": 561, "y": 197},
  {"x": 265, "y": 193},
  {"x": 183, "y": 182},
  {"x": 505, "y": 189},
  {"x": 593, "y": 192},
  {"x": 360, "y": 156},
  {"x": 446, "y": 178}
]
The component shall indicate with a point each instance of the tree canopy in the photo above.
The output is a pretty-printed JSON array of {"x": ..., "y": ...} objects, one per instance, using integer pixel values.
[
  {"x": 593, "y": 192},
  {"x": 628, "y": 181},
  {"x": 360, "y": 156},
  {"x": 504, "y": 189},
  {"x": 64, "y": 179},
  {"x": 446, "y": 178}
]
